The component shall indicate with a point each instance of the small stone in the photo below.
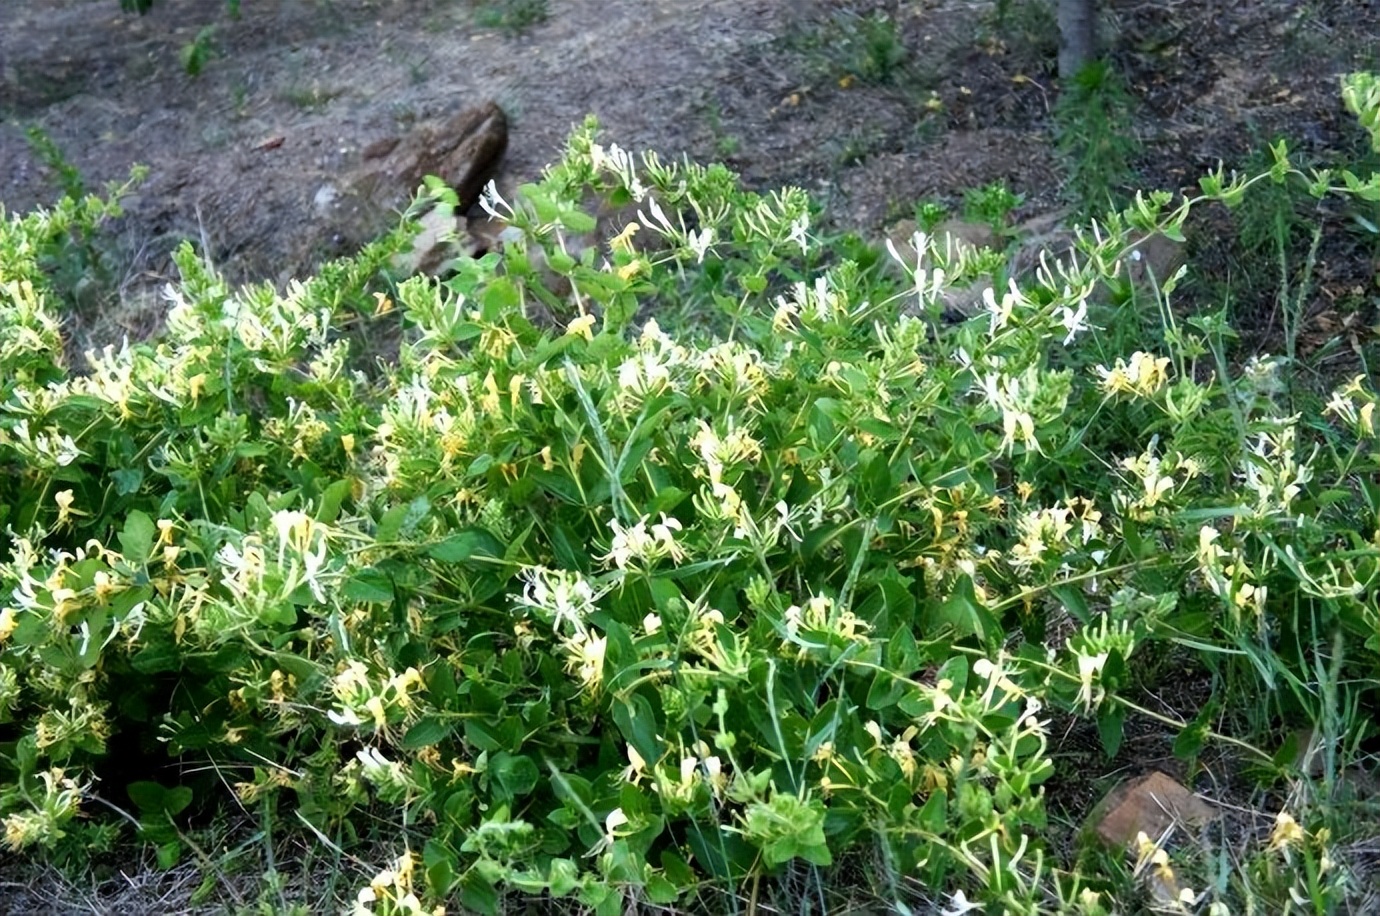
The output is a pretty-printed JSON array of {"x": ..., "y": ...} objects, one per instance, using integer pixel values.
[
  {"x": 325, "y": 198},
  {"x": 464, "y": 151},
  {"x": 1153, "y": 259},
  {"x": 1151, "y": 804},
  {"x": 432, "y": 247}
]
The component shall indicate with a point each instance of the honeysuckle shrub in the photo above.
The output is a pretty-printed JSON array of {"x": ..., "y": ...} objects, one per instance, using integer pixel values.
[{"x": 581, "y": 604}]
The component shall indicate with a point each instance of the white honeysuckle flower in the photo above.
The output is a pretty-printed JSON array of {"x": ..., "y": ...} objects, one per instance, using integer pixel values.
[
  {"x": 798, "y": 229},
  {"x": 1089, "y": 666},
  {"x": 585, "y": 659},
  {"x": 1074, "y": 321},
  {"x": 345, "y": 717},
  {"x": 490, "y": 200},
  {"x": 636, "y": 768},
  {"x": 615, "y": 819},
  {"x": 1000, "y": 312},
  {"x": 959, "y": 905},
  {"x": 700, "y": 241},
  {"x": 1007, "y": 397},
  {"x": 637, "y": 543},
  {"x": 658, "y": 220},
  {"x": 566, "y": 595},
  {"x": 371, "y": 759}
]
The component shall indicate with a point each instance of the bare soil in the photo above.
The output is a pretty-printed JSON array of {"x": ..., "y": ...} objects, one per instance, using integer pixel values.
[
  {"x": 950, "y": 95},
  {"x": 803, "y": 92}
]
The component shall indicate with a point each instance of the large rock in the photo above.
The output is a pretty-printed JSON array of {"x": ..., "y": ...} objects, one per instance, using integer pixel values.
[
  {"x": 464, "y": 150},
  {"x": 1153, "y": 259},
  {"x": 1153, "y": 805}
]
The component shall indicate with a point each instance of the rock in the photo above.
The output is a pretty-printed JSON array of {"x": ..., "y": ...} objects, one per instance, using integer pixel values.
[
  {"x": 1153, "y": 804},
  {"x": 463, "y": 150},
  {"x": 1149, "y": 261},
  {"x": 380, "y": 148},
  {"x": 432, "y": 247},
  {"x": 325, "y": 199},
  {"x": 1153, "y": 259},
  {"x": 1351, "y": 784},
  {"x": 481, "y": 234}
]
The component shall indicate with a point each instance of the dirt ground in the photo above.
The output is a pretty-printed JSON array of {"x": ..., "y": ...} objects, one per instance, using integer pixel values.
[
  {"x": 806, "y": 92},
  {"x": 950, "y": 95}
]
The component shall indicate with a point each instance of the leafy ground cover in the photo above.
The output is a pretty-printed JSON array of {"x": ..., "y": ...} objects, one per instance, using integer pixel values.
[
  {"x": 718, "y": 565},
  {"x": 712, "y": 565}
]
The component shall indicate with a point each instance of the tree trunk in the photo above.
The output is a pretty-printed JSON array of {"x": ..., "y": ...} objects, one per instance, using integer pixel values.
[{"x": 1077, "y": 35}]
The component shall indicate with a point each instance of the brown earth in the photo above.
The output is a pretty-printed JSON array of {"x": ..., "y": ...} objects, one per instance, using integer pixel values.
[
  {"x": 945, "y": 95},
  {"x": 870, "y": 104}
]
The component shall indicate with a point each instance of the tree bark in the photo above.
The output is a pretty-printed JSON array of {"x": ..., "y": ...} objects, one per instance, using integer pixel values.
[{"x": 1077, "y": 35}]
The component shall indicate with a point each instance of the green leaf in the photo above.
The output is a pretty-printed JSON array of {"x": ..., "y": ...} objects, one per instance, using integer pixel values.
[
  {"x": 637, "y": 721},
  {"x": 500, "y": 297},
  {"x": 961, "y": 612},
  {"x": 902, "y": 652},
  {"x": 666, "y": 500},
  {"x": 661, "y": 890},
  {"x": 886, "y": 690},
  {"x": 875, "y": 483},
  {"x": 1288, "y": 755},
  {"x": 1074, "y": 601},
  {"x": 722, "y": 853},
  {"x": 563, "y": 877},
  {"x": 440, "y": 684},
  {"x": 1111, "y": 729},
  {"x": 369, "y": 586},
  {"x": 136, "y": 540},
  {"x": 478, "y": 893},
  {"x": 603, "y": 899},
  {"x": 578, "y": 221},
  {"x": 677, "y": 869},
  {"x": 822, "y": 429},
  {"x": 330, "y": 501},
  {"x": 151, "y": 798},
  {"x": 934, "y": 814},
  {"x": 168, "y": 854},
  {"x": 390, "y": 525},
  {"x": 127, "y": 480},
  {"x": 559, "y": 486},
  {"x": 955, "y": 670},
  {"x": 472, "y": 542},
  {"x": 1190, "y": 741},
  {"x": 156, "y": 658},
  {"x": 425, "y": 733},
  {"x": 482, "y": 735},
  {"x": 566, "y": 546},
  {"x": 440, "y": 863},
  {"x": 515, "y": 773},
  {"x": 177, "y": 799}
]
